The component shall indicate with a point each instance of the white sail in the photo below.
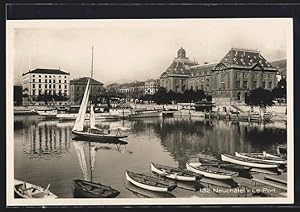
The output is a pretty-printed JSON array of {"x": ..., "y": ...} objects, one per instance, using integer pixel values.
[
  {"x": 78, "y": 126},
  {"x": 92, "y": 118}
]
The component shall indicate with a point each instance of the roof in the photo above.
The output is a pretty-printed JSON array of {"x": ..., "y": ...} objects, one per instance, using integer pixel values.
[
  {"x": 46, "y": 71},
  {"x": 179, "y": 68},
  {"x": 245, "y": 59},
  {"x": 84, "y": 80},
  {"x": 202, "y": 69}
]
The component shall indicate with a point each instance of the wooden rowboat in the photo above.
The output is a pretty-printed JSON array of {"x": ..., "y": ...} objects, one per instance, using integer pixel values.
[
  {"x": 247, "y": 162},
  {"x": 211, "y": 172},
  {"x": 175, "y": 173},
  {"x": 264, "y": 157},
  {"x": 89, "y": 189},
  {"x": 148, "y": 182},
  {"x": 27, "y": 190}
]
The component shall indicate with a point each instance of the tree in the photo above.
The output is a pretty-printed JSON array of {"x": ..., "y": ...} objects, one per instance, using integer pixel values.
[
  {"x": 160, "y": 97},
  {"x": 259, "y": 97}
]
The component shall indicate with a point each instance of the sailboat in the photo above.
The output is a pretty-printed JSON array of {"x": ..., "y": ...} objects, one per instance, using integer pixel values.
[
  {"x": 85, "y": 188},
  {"x": 93, "y": 132}
]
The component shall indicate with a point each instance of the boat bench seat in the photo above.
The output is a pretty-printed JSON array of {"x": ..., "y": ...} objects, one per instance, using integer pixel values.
[{"x": 265, "y": 182}]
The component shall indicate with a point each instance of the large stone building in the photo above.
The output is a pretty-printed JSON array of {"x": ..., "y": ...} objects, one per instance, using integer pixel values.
[
  {"x": 45, "y": 81},
  {"x": 77, "y": 88},
  {"x": 238, "y": 72},
  {"x": 228, "y": 81},
  {"x": 176, "y": 76}
]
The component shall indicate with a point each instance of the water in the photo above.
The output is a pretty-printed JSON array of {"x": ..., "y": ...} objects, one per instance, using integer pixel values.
[{"x": 45, "y": 152}]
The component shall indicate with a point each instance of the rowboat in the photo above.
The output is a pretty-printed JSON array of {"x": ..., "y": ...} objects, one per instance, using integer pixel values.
[
  {"x": 143, "y": 193},
  {"x": 247, "y": 162},
  {"x": 47, "y": 113},
  {"x": 265, "y": 157},
  {"x": 174, "y": 173},
  {"x": 211, "y": 172},
  {"x": 88, "y": 189},
  {"x": 27, "y": 190},
  {"x": 97, "y": 137},
  {"x": 148, "y": 182}
]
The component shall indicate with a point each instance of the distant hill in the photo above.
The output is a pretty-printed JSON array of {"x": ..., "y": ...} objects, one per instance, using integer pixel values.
[{"x": 281, "y": 65}]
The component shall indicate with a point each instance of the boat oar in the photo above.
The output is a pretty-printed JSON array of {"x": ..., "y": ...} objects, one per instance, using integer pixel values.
[{"x": 47, "y": 190}]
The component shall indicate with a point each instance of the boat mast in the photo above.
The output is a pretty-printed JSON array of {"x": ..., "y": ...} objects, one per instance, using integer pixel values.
[{"x": 91, "y": 92}]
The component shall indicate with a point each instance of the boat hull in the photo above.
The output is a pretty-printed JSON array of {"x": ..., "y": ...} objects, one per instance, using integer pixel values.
[
  {"x": 83, "y": 192},
  {"x": 210, "y": 174},
  {"x": 99, "y": 116},
  {"x": 271, "y": 159},
  {"x": 146, "y": 114},
  {"x": 37, "y": 192},
  {"x": 173, "y": 176},
  {"x": 148, "y": 187},
  {"x": 98, "y": 137},
  {"x": 249, "y": 163}
]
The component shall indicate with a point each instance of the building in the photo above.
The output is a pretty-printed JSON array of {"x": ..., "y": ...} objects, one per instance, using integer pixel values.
[
  {"x": 238, "y": 72},
  {"x": 151, "y": 86},
  {"x": 133, "y": 90},
  {"x": 201, "y": 77},
  {"x": 45, "y": 81},
  {"x": 227, "y": 81},
  {"x": 176, "y": 76},
  {"x": 77, "y": 88}
]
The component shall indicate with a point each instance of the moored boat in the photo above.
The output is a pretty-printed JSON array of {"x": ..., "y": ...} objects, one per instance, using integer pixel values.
[
  {"x": 27, "y": 190},
  {"x": 247, "y": 162},
  {"x": 88, "y": 189},
  {"x": 211, "y": 172},
  {"x": 265, "y": 157},
  {"x": 149, "y": 182},
  {"x": 47, "y": 113},
  {"x": 175, "y": 173},
  {"x": 146, "y": 114}
]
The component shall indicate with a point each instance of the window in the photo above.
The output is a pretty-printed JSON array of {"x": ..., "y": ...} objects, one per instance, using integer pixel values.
[
  {"x": 223, "y": 86},
  {"x": 49, "y": 86},
  {"x": 39, "y": 75},
  {"x": 40, "y": 86},
  {"x": 46, "y": 76},
  {"x": 255, "y": 84},
  {"x": 65, "y": 81},
  {"x": 238, "y": 84},
  {"x": 264, "y": 84},
  {"x": 32, "y": 75},
  {"x": 65, "y": 91},
  {"x": 49, "y": 81},
  {"x": 33, "y": 80},
  {"x": 33, "y": 85},
  {"x": 53, "y": 81},
  {"x": 65, "y": 77},
  {"x": 245, "y": 84},
  {"x": 65, "y": 86},
  {"x": 50, "y": 76},
  {"x": 59, "y": 81},
  {"x": 45, "y": 81},
  {"x": 78, "y": 88},
  {"x": 53, "y": 86},
  {"x": 59, "y": 86},
  {"x": 33, "y": 91},
  {"x": 40, "y": 80},
  {"x": 270, "y": 84},
  {"x": 45, "y": 85}
]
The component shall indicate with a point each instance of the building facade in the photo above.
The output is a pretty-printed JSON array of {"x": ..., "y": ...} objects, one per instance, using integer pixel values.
[
  {"x": 228, "y": 81},
  {"x": 176, "y": 76},
  {"x": 133, "y": 90},
  {"x": 77, "y": 88},
  {"x": 45, "y": 81},
  {"x": 151, "y": 86},
  {"x": 240, "y": 71}
]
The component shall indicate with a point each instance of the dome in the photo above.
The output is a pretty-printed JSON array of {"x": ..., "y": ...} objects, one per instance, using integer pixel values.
[{"x": 181, "y": 53}]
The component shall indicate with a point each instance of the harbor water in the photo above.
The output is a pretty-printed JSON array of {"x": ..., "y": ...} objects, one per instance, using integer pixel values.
[{"x": 44, "y": 152}]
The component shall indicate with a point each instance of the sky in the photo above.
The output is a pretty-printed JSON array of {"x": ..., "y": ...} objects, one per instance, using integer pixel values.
[{"x": 128, "y": 50}]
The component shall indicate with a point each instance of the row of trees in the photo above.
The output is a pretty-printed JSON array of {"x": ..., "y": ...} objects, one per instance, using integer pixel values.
[{"x": 162, "y": 96}]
